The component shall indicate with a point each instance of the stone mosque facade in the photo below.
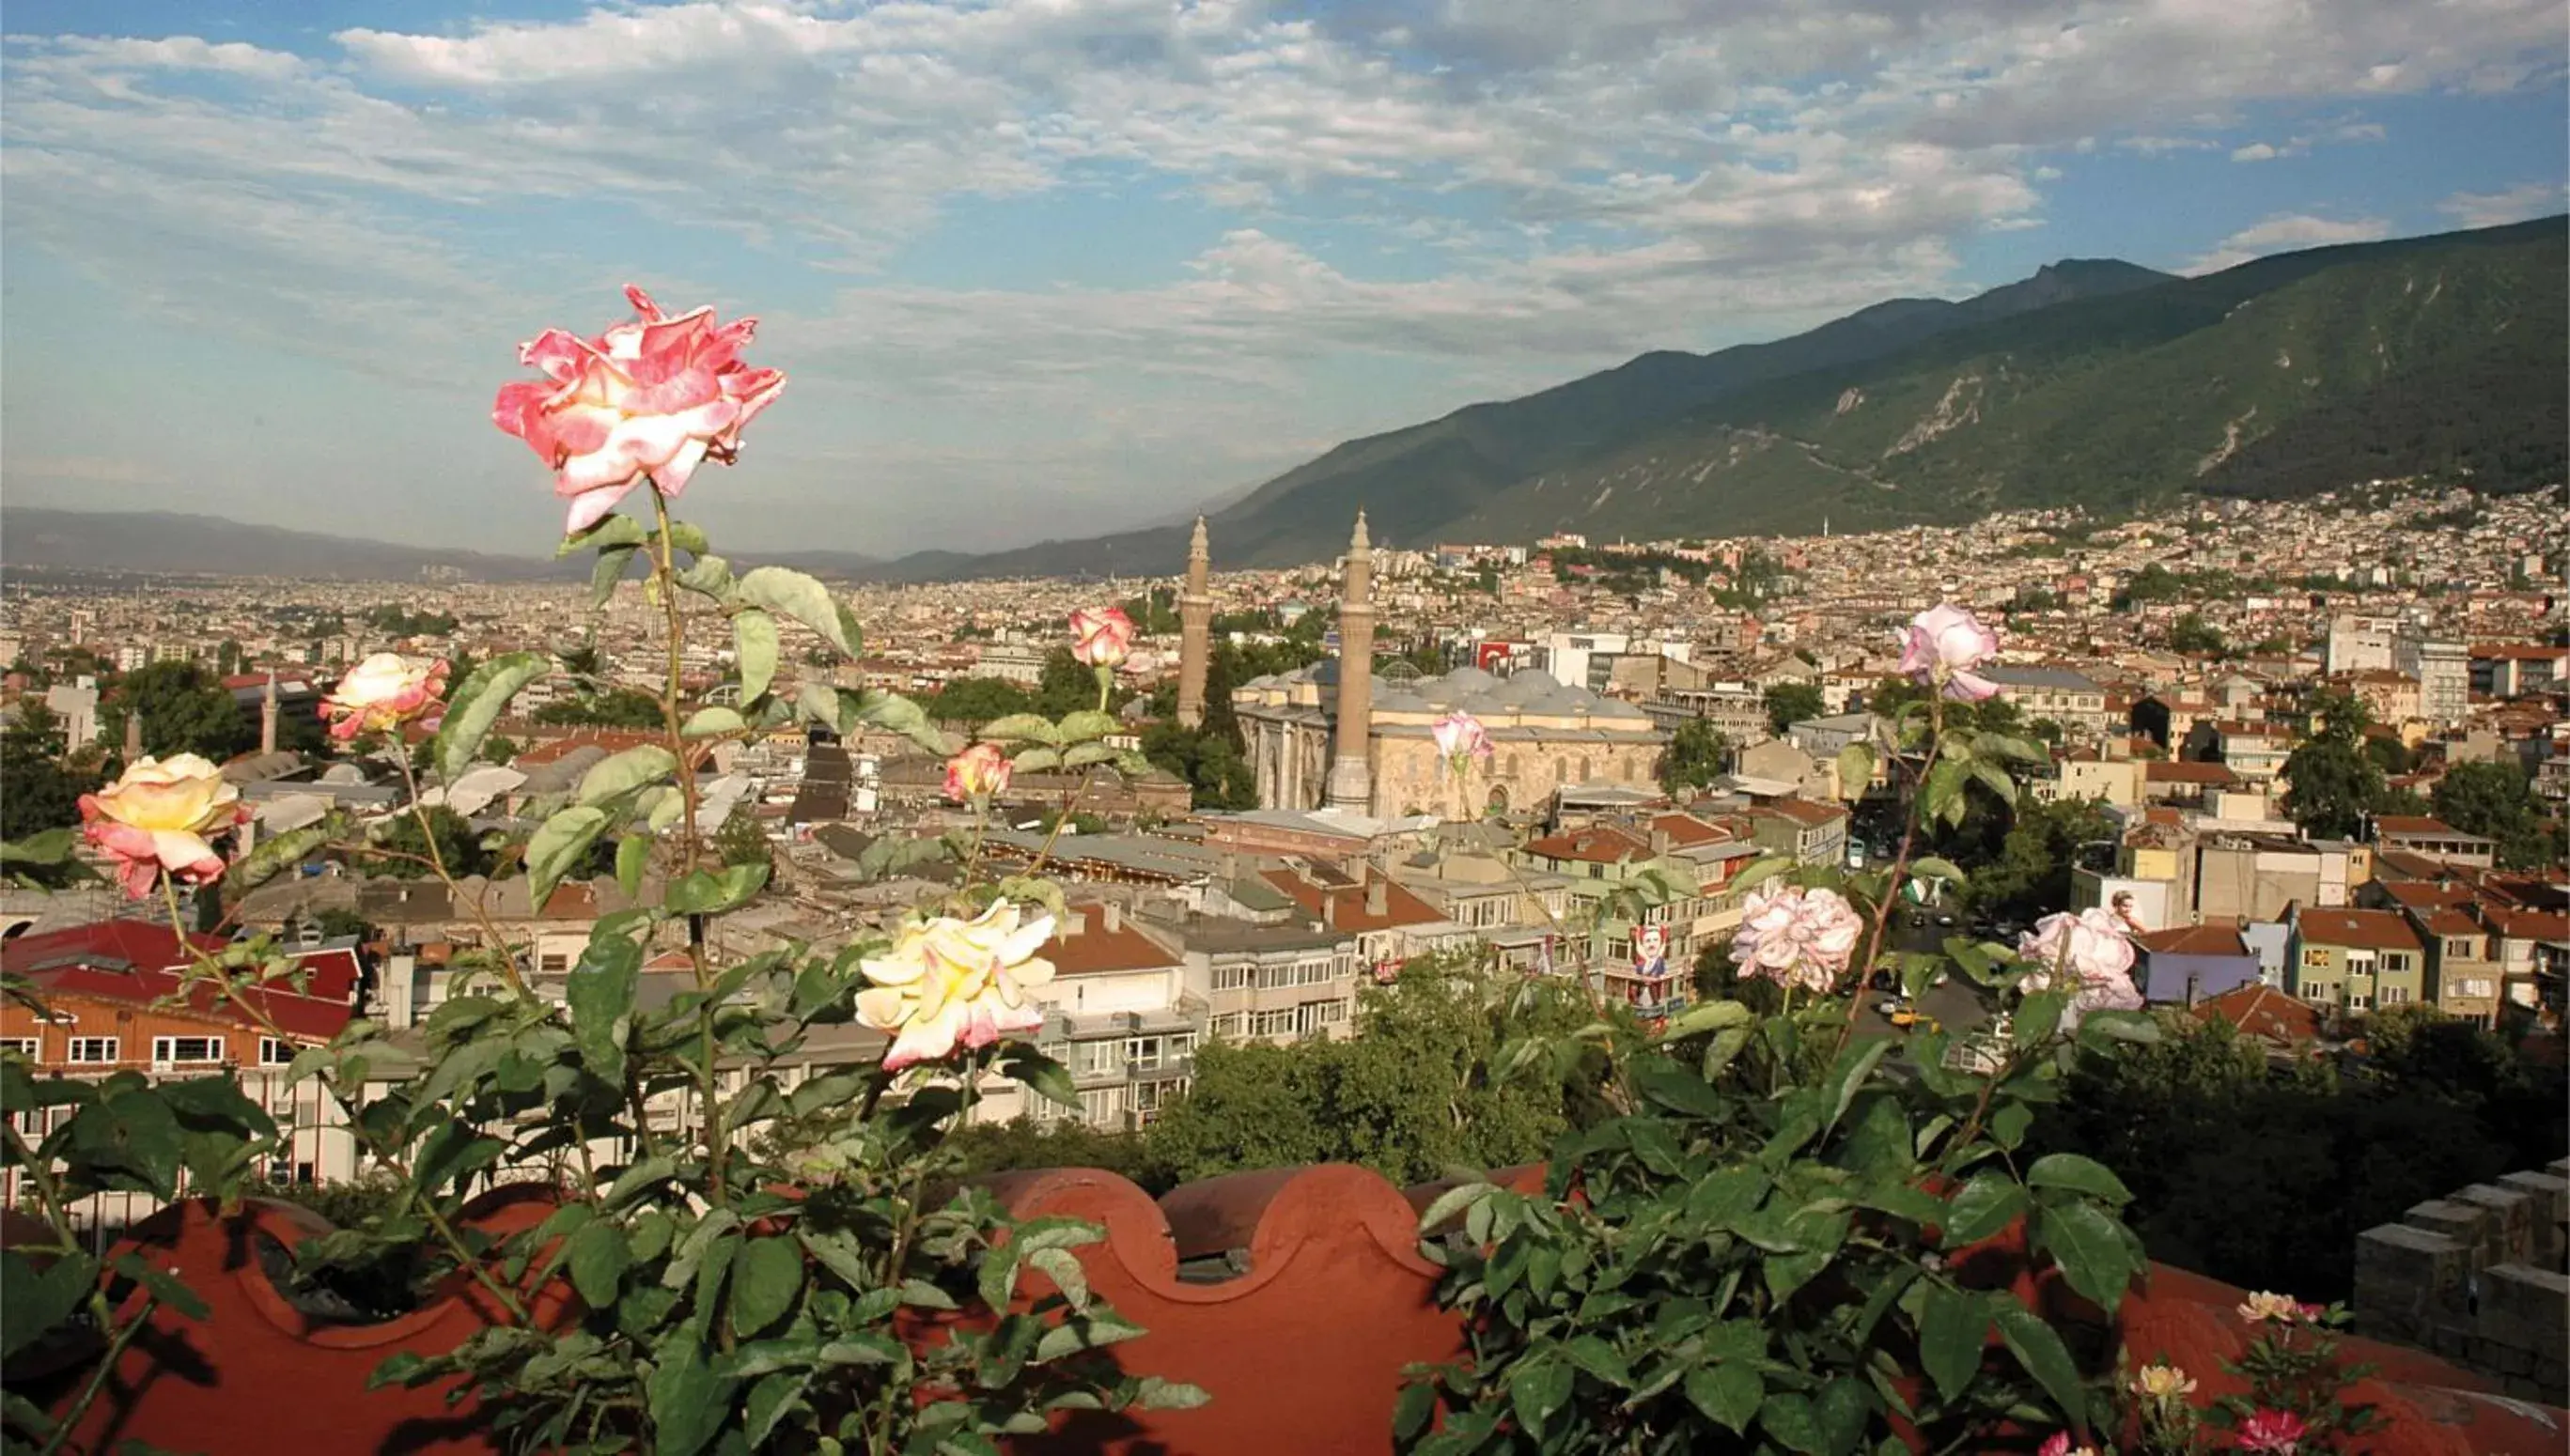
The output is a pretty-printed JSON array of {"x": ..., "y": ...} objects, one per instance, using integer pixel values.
[{"x": 1339, "y": 735}]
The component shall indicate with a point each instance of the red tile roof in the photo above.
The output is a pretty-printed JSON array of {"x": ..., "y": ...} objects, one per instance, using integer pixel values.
[
  {"x": 2186, "y": 771},
  {"x": 1599, "y": 845},
  {"x": 1685, "y": 831},
  {"x": 132, "y": 960},
  {"x": 1096, "y": 950},
  {"x": 2219, "y": 938},
  {"x": 2262, "y": 1011},
  {"x": 1347, "y": 907},
  {"x": 1802, "y": 810},
  {"x": 2370, "y": 929}
]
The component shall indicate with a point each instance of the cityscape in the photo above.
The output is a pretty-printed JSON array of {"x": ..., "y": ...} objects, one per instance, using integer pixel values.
[{"x": 1385, "y": 729}]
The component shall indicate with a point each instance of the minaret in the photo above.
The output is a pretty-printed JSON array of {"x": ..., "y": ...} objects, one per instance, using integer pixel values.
[
  {"x": 133, "y": 733},
  {"x": 267, "y": 716},
  {"x": 1195, "y": 629},
  {"x": 1351, "y": 778}
]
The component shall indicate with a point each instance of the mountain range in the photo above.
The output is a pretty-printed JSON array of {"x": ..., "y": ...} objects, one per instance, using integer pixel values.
[{"x": 2095, "y": 383}]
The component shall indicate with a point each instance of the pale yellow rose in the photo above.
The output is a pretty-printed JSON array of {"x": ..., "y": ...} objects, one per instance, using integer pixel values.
[{"x": 948, "y": 982}]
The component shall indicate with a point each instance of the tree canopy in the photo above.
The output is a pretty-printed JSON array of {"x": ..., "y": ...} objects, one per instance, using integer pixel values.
[
  {"x": 1789, "y": 703},
  {"x": 184, "y": 709},
  {"x": 2494, "y": 800},
  {"x": 1695, "y": 757}
]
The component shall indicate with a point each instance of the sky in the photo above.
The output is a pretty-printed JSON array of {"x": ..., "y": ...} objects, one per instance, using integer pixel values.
[{"x": 1044, "y": 269}]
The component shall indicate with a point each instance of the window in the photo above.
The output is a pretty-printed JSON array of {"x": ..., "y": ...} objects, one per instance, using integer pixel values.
[
  {"x": 1233, "y": 977},
  {"x": 1102, "y": 1106},
  {"x": 187, "y": 1049},
  {"x": 2462, "y": 948},
  {"x": 2395, "y": 995},
  {"x": 1096, "y": 1058},
  {"x": 1274, "y": 1024},
  {"x": 2395, "y": 963},
  {"x": 2319, "y": 993},
  {"x": 2359, "y": 1001},
  {"x": 556, "y": 964},
  {"x": 2315, "y": 956},
  {"x": 93, "y": 1049},
  {"x": 274, "y": 1053},
  {"x": 1229, "y": 1024},
  {"x": 25, "y": 1046}
]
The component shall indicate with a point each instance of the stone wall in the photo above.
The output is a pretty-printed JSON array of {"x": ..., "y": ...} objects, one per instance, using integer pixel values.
[{"x": 2481, "y": 1278}]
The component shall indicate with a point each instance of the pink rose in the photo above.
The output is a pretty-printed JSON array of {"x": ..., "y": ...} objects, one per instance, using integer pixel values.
[
  {"x": 1796, "y": 937},
  {"x": 2058, "y": 1444},
  {"x": 155, "y": 816},
  {"x": 380, "y": 694},
  {"x": 1460, "y": 736},
  {"x": 1101, "y": 635},
  {"x": 646, "y": 400},
  {"x": 2090, "y": 946},
  {"x": 977, "y": 773},
  {"x": 2276, "y": 1432},
  {"x": 1942, "y": 646}
]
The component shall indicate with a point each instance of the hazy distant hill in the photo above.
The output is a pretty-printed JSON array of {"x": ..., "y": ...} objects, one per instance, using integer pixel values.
[
  {"x": 168, "y": 544},
  {"x": 2093, "y": 381}
]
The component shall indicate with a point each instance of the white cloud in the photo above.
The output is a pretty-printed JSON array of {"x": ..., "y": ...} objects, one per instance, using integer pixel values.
[
  {"x": 2260, "y": 152},
  {"x": 2515, "y": 205},
  {"x": 2285, "y": 233},
  {"x": 1466, "y": 194}
]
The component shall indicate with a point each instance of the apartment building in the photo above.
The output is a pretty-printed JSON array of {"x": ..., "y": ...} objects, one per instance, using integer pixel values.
[{"x": 2354, "y": 961}]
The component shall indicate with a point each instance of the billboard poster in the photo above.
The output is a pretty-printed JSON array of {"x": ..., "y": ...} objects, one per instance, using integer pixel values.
[
  {"x": 2142, "y": 905},
  {"x": 1651, "y": 952}
]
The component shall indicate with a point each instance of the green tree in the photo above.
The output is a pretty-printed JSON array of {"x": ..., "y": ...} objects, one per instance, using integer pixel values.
[
  {"x": 1789, "y": 703},
  {"x": 2494, "y": 800},
  {"x": 227, "y": 657},
  {"x": 458, "y": 847},
  {"x": 184, "y": 710},
  {"x": 2192, "y": 634},
  {"x": 2331, "y": 787},
  {"x": 2032, "y": 872},
  {"x": 741, "y": 840},
  {"x": 1697, "y": 753},
  {"x": 37, "y": 791},
  {"x": 622, "y": 707},
  {"x": 1208, "y": 760},
  {"x": 974, "y": 701}
]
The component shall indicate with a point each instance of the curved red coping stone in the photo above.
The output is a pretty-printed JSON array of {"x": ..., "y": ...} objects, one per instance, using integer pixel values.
[
  {"x": 1302, "y": 1352},
  {"x": 256, "y": 1370}
]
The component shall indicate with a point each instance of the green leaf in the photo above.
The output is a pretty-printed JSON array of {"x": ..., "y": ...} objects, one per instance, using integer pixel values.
[
  {"x": 820, "y": 702},
  {"x": 753, "y": 637},
  {"x": 1042, "y": 1075},
  {"x": 1941, "y": 796},
  {"x": 637, "y": 1180},
  {"x": 2044, "y": 1357},
  {"x": 601, "y": 995},
  {"x": 1996, "y": 780},
  {"x": 712, "y": 722},
  {"x": 1727, "y": 1394},
  {"x": 2079, "y": 1174},
  {"x": 632, "y": 856},
  {"x": 708, "y": 576},
  {"x": 792, "y": 593},
  {"x": 767, "y": 1279},
  {"x": 2009, "y": 1123},
  {"x": 1063, "y": 1267},
  {"x": 1854, "y": 769},
  {"x": 1952, "y": 1327},
  {"x": 1790, "y": 1421},
  {"x": 1680, "y": 1089},
  {"x": 686, "y": 536},
  {"x": 1723, "y": 1199},
  {"x": 608, "y": 572},
  {"x": 1411, "y": 1409},
  {"x": 893, "y": 714},
  {"x": 49, "y": 847},
  {"x": 1021, "y": 728},
  {"x": 1599, "y": 1359},
  {"x": 476, "y": 704},
  {"x": 711, "y": 891},
  {"x": 557, "y": 846},
  {"x": 1537, "y": 1388},
  {"x": 688, "y": 1401},
  {"x": 1034, "y": 760},
  {"x": 1702, "y": 1017},
  {"x": 621, "y": 773},
  {"x": 165, "y": 1286},
  {"x": 2089, "y": 1245},
  {"x": 276, "y": 852},
  {"x": 1082, "y": 755},
  {"x": 1084, "y": 725},
  {"x": 1930, "y": 867},
  {"x": 611, "y": 530},
  {"x": 1759, "y": 872},
  {"x": 1983, "y": 1208},
  {"x": 2037, "y": 1017},
  {"x": 770, "y": 1401},
  {"x": 1452, "y": 1202},
  {"x": 599, "y": 1258},
  {"x": 33, "y": 1301}
]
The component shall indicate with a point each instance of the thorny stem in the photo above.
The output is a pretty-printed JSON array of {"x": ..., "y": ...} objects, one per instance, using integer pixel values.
[
  {"x": 99, "y": 1374},
  {"x": 1900, "y": 867},
  {"x": 708, "y": 1080}
]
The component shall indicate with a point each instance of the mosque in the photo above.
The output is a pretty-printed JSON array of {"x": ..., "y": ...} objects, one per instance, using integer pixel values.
[{"x": 1341, "y": 735}]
